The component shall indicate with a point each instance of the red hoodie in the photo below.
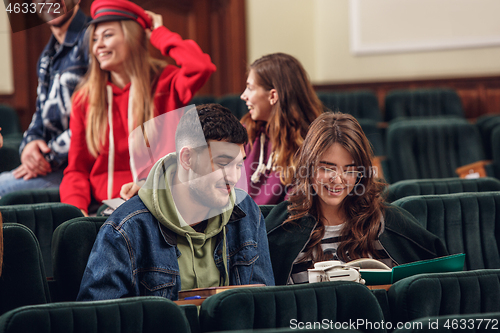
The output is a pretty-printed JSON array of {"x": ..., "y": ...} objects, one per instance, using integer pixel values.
[{"x": 86, "y": 176}]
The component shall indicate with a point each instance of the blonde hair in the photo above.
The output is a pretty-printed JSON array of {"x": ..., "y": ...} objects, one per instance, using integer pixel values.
[{"x": 143, "y": 72}]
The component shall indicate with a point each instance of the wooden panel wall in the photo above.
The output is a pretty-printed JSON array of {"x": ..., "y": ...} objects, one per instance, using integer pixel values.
[
  {"x": 479, "y": 95},
  {"x": 218, "y": 26}
]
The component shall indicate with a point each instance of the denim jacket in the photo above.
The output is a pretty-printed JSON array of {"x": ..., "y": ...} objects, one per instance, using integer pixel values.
[
  {"x": 60, "y": 68},
  {"x": 134, "y": 255}
]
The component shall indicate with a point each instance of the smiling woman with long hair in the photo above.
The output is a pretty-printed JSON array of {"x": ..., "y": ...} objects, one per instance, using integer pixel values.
[
  {"x": 335, "y": 210},
  {"x": 123, "y": 89},
  {"x": 282, "y": 103}
]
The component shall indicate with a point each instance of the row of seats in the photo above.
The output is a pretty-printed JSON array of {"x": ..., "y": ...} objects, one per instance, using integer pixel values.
[
  {"x": 443, "y": 297},
  {"x": 363, "y": 104},
  {"x": 422, "y": 149},
  {"x": 440, "y": 214},
  {"x": 466, "y": 222}
]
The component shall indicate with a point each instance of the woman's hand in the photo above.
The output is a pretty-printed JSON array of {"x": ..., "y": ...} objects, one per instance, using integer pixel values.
[{"x": 157, "y": 21}]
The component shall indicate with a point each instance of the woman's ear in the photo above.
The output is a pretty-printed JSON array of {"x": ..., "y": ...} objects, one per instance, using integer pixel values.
[
  {"x": 185, "y": 158},
  {"x": 273, "y": 96}
]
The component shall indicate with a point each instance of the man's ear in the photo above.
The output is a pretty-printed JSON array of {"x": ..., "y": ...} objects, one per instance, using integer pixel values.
[
  {"x": 186, "y": 158},
  {"x": 273, "y": 96}
]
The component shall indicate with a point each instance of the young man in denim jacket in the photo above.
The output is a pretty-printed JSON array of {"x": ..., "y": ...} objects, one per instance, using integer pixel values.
[
  {"x": 63, "y": 62},
  {"x": 189, "y": 227}
]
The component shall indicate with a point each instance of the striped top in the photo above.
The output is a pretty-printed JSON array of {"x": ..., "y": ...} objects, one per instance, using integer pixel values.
[{"x": 329, "y": 244}]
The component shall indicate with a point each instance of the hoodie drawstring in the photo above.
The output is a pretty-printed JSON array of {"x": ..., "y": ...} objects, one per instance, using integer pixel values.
[
  {"x": 261, "y": 168},
  {"x": 224, "y": 257},
  {"x": 111, "y": 155},
  {"x": 190, "y": 242}
]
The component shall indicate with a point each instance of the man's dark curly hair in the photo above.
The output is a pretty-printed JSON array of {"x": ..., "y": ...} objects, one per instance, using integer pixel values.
[{"x": 217, "y": 123}]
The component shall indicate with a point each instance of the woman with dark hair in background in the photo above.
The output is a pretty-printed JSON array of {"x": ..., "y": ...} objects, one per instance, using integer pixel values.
[
  {"x": 281, "y": 103},
  {"x": 335, "y": 209}
]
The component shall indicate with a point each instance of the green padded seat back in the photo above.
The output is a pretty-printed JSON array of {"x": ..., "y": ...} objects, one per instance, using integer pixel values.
[
  {"x": 24, "y": 197},
  {"x": 72, "y": 243},
  {"x": 486, "y": 124},
  {"x": 318, "y": 327},
  {"x": 406, "y": 188},
  {"x": 495, "y": 145},
  {"x": 234, "y": 103},
  {"x": 466, "y": 223},
  {"x": 375, "y": 135},
  {"x": 422, "y": 103},
  {"x": 420, "y": 148},
  {"x": 361, "y": 104},
  {"x": 126, "y": 315},
  {"x": 23, "y": 280},
  {"x": 206, "y": 99},
  {"x": 278, "y": 306},
  {"x": 265, "y": 209},
  {"x": 440, "y": 294},
  {"x": 477, "y": 322},
  {"x": 9, "y": 121},
  {"x": 42, "y": 219},
  {"x": 9, "y": 155}
]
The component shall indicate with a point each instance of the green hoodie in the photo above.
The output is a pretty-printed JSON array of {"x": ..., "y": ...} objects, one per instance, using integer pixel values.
[{"x": 196, "y": 264}]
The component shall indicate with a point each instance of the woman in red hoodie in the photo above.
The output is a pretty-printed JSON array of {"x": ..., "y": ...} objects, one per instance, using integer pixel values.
[{"x": 123, "y": 89}]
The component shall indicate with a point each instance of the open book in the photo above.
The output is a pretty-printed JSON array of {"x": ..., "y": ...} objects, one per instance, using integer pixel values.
[{"x": 376, "y": 275}]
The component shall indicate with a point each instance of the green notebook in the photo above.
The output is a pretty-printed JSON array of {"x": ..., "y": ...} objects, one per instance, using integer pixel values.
[{"x": 451, "y": 263}]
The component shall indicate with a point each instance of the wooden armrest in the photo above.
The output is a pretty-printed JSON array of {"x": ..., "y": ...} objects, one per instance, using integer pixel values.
[{"x": 473, "y": 170}]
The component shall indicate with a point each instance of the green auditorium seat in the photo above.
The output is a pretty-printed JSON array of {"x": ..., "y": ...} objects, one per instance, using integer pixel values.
[
  {"x": 320, "y": 327},
  {"x": 406, "y": 188},
  {"x": 42, "y": 219},
  {"x": 486, "y": 124},
  {"x": 23, "y": 280},
  {"x": 473, "y": 323},
  {"x": 25, "y": 197},
  {"x": 9, "y": 122},
  {"x": 279, "y": 306},
  {"x": 126, "y": 315},
  {"x": 420, "y": 148},
  {"x": 375, "y": 135},
  {"x": 422, "y": 103},
  {"x": 445, "y": 294},
  {"x": 199, "y": 100},
  {"x": 265, "y": 209},
  {"x": 9, "y": 154},
  {"x": 495, "y": 145},
  {"x": 72, "y": 242},
  {"x": 466, "y": 223},
  {"x": 361, "y": 104},
  {"x": 234, "y": 103}
]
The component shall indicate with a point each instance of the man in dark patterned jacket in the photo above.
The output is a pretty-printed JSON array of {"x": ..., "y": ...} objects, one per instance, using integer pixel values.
[{"x": 63, "y": 62}]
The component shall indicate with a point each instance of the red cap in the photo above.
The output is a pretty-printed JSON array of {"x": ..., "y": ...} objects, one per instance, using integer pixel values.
[{"x": 116, "y": 10}]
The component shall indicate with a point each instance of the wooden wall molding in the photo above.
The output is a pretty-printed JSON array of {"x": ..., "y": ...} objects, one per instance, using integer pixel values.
[{"x": 479, "y": 95}]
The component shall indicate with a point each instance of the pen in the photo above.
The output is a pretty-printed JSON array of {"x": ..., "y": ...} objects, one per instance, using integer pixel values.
[{"x": 193, "y": 297}]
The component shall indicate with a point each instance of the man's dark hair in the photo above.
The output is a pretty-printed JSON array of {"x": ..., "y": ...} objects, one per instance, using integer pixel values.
[{"x": 217, "y": 123}]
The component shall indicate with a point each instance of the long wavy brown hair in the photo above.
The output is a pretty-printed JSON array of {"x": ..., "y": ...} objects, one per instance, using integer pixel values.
[
  {"x": 297, "y": 107},
  {"x": 143, "y": 71},
  {"x": 363, "y": 207}
]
